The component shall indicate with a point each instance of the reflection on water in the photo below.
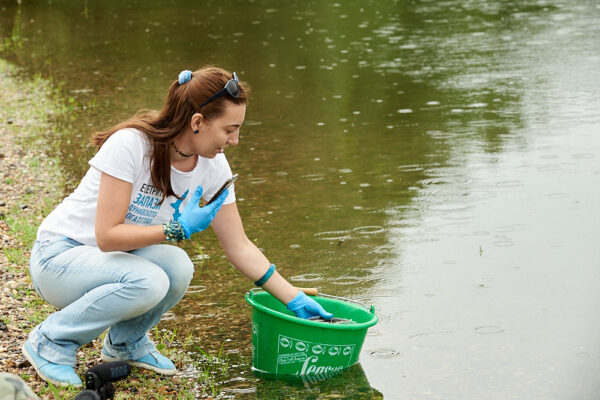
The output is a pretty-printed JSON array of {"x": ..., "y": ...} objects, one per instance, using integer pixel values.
[
  {"x": 350, "y": 383},
  {"x": 436, "y": 159}
]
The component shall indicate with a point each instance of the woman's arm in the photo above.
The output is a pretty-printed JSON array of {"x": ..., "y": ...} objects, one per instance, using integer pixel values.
[
  {"x": 245, "y": 256},
  {"x": 112, "y": 233}
]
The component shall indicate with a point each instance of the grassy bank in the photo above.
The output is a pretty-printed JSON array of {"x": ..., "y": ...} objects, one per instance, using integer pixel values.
[{"x": 31, "y": 185}]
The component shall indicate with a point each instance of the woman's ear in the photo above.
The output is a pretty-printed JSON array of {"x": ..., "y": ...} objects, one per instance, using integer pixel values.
[{"x": 197, "y": 120}]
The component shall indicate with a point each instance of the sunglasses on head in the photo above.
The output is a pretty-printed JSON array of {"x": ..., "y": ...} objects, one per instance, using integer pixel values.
[{"x": 231, "y": 87}]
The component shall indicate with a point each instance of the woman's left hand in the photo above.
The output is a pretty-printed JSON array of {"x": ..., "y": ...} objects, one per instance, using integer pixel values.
[
  {"x": 195, "y": 218},
  {"x": 305, "y": 307}
]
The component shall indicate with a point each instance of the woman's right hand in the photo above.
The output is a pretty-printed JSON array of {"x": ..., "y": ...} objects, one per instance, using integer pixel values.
[
  {"x": 195, "y": 218},
  {"x": 305, "y": 307}
]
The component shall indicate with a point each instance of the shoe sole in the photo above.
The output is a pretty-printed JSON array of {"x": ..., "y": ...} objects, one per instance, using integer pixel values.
[
  {"x": 41, "y": 375},
  {"x": 169, "y": 372}
]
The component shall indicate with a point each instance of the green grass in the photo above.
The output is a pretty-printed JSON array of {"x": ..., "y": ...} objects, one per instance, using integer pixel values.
[
  {"x": 58, "y": 392},
  {"x": 15, "y": 255},
  {"x": 214, "y": 369},
  {"x": 24, "y": 223},
  {"x": 163, "y": 338},
  {"x": 35, "y": 103}
]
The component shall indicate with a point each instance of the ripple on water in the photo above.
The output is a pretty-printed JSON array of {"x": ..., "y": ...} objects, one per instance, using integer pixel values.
[
  {"x": 255, "y": 181},
  {"x": 307, "y": 277},
  {"x": 410, "y": 168},
  {"x": 235, "y": 379},
  {"x": 168, "y": 316},
  {"x": 557, "y": 195},
  {"x": 509, "y": 184},
  {"x": 502, "y": 241},
  {"x": 195, "y": 289},
  {"x": 241, "y": 390},
  {"x": 435, "y": 134},
  {"x": 509, "y": 228},
  {"x": 314, "y": 177},
  {"x": 445, "y": 207},
  {"x": 368, "y": 230},
  {"x": 551, "y": 168},
  {"x": 347, "y": 280},
  {"x": 583, "y": 156},
  {"x": 333, "y": 235},
  {"x": 488, "y": 330},
  {"x": 199, "y": 259},
  {"x": 549, "y": 156},
  {"x": 384, "y": 353}
]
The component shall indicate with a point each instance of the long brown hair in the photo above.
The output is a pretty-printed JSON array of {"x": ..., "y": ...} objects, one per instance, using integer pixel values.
[{"x": 162, "y": 127}]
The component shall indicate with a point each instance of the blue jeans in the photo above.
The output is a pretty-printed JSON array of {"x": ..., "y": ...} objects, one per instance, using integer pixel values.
[{"x": 127, "y": 292}]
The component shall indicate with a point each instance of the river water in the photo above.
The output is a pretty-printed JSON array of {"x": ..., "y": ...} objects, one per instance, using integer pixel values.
[{"x": 439, "y": 160}]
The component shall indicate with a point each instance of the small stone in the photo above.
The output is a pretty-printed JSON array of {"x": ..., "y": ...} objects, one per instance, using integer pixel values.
[
  {"x": 11, "y": 284},
  {"x": 23, "y": 206},
  {"x": 2, "y": 203},
  {"x": 3, "y": 327}
]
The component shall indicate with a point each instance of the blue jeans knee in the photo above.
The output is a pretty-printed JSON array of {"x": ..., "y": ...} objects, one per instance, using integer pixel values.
[{"x": 174, "y": 261}]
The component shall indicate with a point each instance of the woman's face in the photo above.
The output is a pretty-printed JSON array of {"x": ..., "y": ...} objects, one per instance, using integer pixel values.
[{"x": 219, "y": 133}]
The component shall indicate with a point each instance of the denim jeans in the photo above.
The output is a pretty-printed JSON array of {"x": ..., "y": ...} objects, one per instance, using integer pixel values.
[{"x": 127, "y": 292}]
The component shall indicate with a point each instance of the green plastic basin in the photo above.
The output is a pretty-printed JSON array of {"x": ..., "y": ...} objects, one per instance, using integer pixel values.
[{"x": 283, "y": 344}]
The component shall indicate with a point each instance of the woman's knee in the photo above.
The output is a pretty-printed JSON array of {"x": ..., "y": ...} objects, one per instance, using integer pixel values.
[
  {"x": 150, "y": 287},
  {"x": 174, "y": 261},
  {"x": 180, "y": 271}
]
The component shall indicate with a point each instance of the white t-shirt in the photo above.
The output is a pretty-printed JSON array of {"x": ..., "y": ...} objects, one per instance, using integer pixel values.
[{"x": 125, "y": 155}]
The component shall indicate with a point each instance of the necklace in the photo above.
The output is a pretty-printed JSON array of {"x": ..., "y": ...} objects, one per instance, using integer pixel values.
[{"x": 182, "y": 154}]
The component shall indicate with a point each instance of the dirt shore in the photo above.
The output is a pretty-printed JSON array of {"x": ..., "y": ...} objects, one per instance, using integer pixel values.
[{"x": 29, "y": 183}]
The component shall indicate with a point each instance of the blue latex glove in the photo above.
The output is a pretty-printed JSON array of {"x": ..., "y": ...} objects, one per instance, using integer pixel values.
[
  {"x": 305, "y": 307},
  {"x": 195, "y": 218}
]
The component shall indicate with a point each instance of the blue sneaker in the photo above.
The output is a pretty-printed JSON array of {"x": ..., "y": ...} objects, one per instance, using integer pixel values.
[
  {"x": 153, "y": 361},
  {"x": 57, "y": 374}
]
